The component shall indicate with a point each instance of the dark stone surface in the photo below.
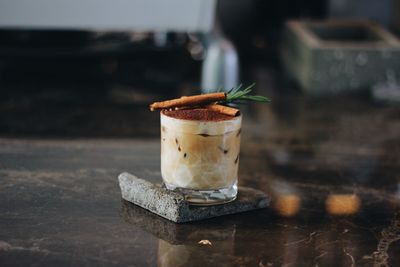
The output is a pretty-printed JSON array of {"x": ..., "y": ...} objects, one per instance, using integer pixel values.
[
  {"x": 60, "y": 203},
  {"x": 172, "y": 205}
]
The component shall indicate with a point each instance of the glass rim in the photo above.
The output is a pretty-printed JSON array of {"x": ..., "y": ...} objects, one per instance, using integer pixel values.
[
  {"x": 202, "y": 127},
  {"x": 200, "y": 121}
]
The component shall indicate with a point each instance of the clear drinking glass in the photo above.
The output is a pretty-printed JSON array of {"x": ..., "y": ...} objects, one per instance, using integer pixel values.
[{"x": 201, "y": 158}]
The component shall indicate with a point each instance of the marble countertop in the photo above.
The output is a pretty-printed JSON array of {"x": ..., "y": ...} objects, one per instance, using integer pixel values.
[{"x": 331, "y": 167}]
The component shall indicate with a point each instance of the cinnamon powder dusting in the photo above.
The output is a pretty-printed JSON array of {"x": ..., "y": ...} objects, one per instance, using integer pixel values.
[{"x": 197, "y": 114}]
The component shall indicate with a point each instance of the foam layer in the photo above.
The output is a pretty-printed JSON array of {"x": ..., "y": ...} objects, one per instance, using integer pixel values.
[
  {"x": 197, "y": 114},
  {"x": 202, "y": 127}
]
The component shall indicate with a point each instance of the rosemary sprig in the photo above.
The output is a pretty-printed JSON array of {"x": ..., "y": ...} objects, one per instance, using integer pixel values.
[{"x": 238, "y": 95}]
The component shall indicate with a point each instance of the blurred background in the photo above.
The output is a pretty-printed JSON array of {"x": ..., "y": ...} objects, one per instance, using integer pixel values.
[
  {"x": 326, "y": 149},
  {"x": 90, "y": 69}
]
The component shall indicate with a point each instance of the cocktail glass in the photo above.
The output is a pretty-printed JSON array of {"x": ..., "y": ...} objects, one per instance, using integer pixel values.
[{"x": 200, "y": 158}]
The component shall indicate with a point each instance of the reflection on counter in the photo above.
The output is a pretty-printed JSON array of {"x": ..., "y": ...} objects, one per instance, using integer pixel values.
[
  {"x": 177, "y": 234},
  {"x": 307, "y": 238},
  {"x": 286, "y": 199},
  {"x": 287, "y": 205},
  {"x": 184, "y": 244},
  {"x": 170, "y": 255},
  {"x": 342, "y": 204},
  {"x": 291, "y": 199}
]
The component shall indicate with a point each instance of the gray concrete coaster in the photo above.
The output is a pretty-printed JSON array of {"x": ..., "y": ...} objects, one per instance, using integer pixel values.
[{"x": 174, "y": 207}]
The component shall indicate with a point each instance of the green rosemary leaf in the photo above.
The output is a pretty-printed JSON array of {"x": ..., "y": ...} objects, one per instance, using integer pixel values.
[
  {"x": 238, "y": 95},
  {"x": 234, "y": 90},
  {"x": 258, "y": 98}
]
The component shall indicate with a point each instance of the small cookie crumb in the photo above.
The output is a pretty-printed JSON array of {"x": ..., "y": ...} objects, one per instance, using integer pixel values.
[{"x": 205, "y": 242}]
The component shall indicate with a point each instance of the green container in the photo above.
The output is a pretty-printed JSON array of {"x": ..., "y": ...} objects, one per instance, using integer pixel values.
[{"x": 329, "y": 57}]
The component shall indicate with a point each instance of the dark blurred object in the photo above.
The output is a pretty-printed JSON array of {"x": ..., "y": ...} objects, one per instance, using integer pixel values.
[
  {"x": 77, "y": 83},
  {"x": 97, "y": 57},
  {"x": 396, "y": 15},
  {"x": 379, "y": 11},
  {"x": 255, "y": 25}
]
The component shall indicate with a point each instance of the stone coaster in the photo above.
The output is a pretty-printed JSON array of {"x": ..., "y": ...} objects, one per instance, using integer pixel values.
[{"x": 174, "y": 207}]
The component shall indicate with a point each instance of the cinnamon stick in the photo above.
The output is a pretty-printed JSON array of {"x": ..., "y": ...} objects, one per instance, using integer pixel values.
[
  {"x": 224, "y": 109},
  {"x": 189, "y": 101}
]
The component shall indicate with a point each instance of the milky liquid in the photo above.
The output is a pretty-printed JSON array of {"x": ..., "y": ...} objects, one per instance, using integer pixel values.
[{"x": 200, "y": 155}]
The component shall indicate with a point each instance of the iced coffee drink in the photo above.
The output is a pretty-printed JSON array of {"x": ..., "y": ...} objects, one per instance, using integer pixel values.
[
  {"x": 200, "y": 154},
  {"x": 200, "y": 144}
]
